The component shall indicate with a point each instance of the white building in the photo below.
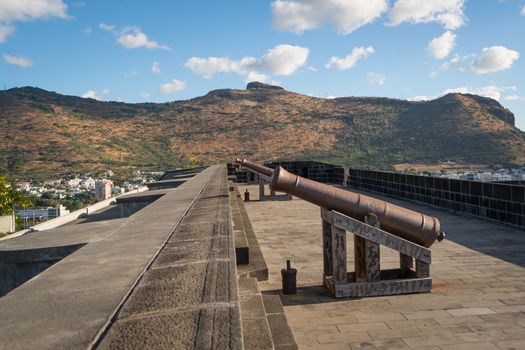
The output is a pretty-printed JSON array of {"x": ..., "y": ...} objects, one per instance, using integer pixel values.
[
  {"x": 42, "y": 213},
  {"x": 88, "y": 184},
  {"x": 74, "y": 183},
  {"x": 103, "y": 189}
]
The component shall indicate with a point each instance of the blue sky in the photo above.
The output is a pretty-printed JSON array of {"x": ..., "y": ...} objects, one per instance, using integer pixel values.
[{"x": 136, "y": 51}]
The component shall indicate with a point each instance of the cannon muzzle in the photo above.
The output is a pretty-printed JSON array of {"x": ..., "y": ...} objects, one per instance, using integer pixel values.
[
  {"x": 408, "y": 224},
  {"x": 255, "y": 167}
]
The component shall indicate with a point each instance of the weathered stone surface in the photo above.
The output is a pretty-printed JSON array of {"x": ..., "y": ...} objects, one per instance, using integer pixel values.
[
  {"x": 175, "y": 331},
  {"x": 479, "y": 267},
  {"x": 194, "y": 274}
]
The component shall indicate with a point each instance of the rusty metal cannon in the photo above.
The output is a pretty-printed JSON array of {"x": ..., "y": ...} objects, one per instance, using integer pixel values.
[
  {"x": 373, "y": 222},
  {"x": 263, "y": 174},
  {"x": 255, "y": 167},
  {"x": 408, "y": 224}
]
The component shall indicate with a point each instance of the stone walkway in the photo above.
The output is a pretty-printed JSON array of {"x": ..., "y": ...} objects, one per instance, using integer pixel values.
[{"x": 477, "y": 301}]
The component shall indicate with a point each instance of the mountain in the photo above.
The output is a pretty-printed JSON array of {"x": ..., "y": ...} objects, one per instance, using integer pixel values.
[{"x": 47, "y": 133}]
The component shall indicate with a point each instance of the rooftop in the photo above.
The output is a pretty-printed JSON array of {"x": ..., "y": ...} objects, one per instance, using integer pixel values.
[
  {"x": 477, "y": 300},
  {"x": 168, "y": 269}
]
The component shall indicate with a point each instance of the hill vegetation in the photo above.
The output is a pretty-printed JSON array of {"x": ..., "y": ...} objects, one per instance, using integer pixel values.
[{"x": 45, "y": 133}]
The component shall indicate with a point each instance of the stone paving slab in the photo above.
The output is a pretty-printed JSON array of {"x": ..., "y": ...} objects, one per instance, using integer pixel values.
[{"x": 477, "y": 301}]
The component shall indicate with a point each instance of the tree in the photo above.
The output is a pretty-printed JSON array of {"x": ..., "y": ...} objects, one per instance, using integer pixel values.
[{"x": 11, "y": 196}]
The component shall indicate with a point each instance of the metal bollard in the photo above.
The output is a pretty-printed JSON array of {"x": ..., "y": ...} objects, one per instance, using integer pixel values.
[
  {"x": 246, "y": 196},
  {"x": 289, "y": 276}
]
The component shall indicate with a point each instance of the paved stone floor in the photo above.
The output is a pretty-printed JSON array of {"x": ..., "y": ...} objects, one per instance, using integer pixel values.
[{"x": 477, "y": 301}]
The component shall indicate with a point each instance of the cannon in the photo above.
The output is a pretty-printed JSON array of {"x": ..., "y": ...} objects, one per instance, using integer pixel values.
[
  {"x": 373, "y": 222},
  {"x": 255, "y": 167},
  {"x": 408, "y": 224}
]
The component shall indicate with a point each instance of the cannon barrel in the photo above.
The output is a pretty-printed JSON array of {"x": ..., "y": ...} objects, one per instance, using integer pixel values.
[
  {"x": 254, "y": 166},
  {"x": 411, "y": 225}
]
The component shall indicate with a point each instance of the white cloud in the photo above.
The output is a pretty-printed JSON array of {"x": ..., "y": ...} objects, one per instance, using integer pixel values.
[
  {"x": 208, "y": 67},
  {"x": 454, "y": 62},
  {"x": 351, "y": 59},
  {"x": 419, "y": 98},
  {"x": 5, "y": 31},
  {"x": 96, "y": 95},
  {"x": 513, "y": 98},
  {"x": 493, "y": 59},
  {"x": 155, "y": 68},
  {"x": 448, "y": 13},
  {"x": 490, "y": 91},
  {"x": 441, "y": 46},
  {"x": 523, "y": 10},
  {"x": 172, "y": 86},
  {"x": 132, "y": 37},
  {"x": 281, "y": 60},
  {"x": 88, "y": 31},
  {"x": 375, "y": 78},
  {"x": 346, "y": 16},
  {"x": 256, "y": 76},
  {"x": 27, "y": 10},
  {"x": 330, "y": 97},
  {"x": 146, "y": 95},
  {"x": 284, "y": 59},
  {"x": 108, "y": 28},
  {"x": 19, "y": 61},
  {"x": 311, "y": 69}
]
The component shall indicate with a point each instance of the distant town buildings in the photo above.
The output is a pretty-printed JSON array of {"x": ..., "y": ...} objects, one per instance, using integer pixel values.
[
  {"x": 500, "y": 175},
  {"x": 72, "y": 185},
  {"x": 41, "y": 214},
  {"x": 103, "y": 189}
]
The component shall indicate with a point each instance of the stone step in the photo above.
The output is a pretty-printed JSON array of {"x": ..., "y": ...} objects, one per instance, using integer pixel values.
[
  {"x": 242, "y": 248},
  {"x": 257, "y": 266},
  {"x": 263, "y": 319},
  {"x": 254, "y": 323},
  {"x": 281, "y": 333}
]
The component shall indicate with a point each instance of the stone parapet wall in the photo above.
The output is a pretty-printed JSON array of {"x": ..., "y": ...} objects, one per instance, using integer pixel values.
[
  {"x": 322, "y": 172},
  {"x": 499, "y": 202}
]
